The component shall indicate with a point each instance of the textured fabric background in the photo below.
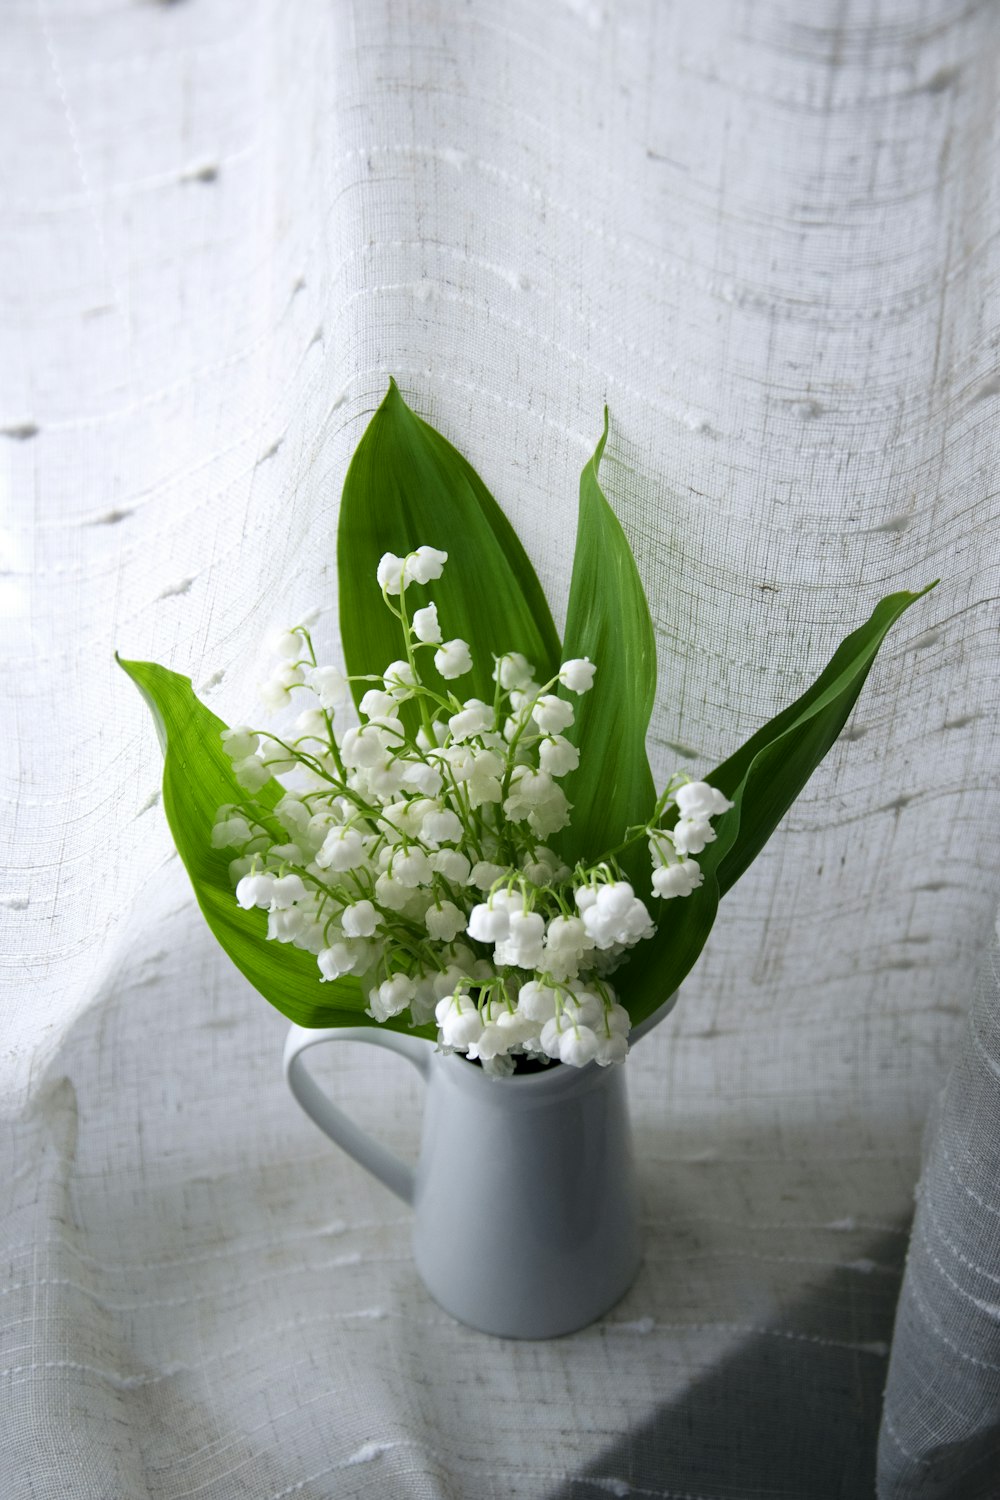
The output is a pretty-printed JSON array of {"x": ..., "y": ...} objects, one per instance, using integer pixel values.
[{"x": 767, "y": 235}]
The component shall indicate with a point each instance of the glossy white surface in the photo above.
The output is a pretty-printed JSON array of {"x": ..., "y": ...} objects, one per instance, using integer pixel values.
[{"x": 525, "y": 1200}]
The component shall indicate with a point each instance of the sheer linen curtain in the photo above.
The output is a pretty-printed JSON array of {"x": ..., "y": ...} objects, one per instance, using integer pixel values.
[{"x": 766, "y": 235}]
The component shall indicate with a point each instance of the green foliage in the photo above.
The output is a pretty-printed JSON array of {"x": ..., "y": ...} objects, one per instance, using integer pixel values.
[
  {"x": 407, "y": 487},
  {"x": 762, "y": 779},
  {"x": 608, "y": 621},
  {"x": 197, "y": 780}
]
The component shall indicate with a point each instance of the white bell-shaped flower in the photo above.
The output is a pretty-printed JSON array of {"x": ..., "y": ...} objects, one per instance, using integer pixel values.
[
  {"x": 330, "y": 686},
  {"x": 287, "y": 889},
  {"x": 399, "y": 681},
  {"x": 391, "y": 997},
  {"x": 389, "y": 573},
  {"x": 610, "y": 1050},
  {"x": 552, "y": 714},
  {"x": 377, "y": 704},
  {"x": 255, "y": 890},
  {"x": 513, "y": 671},
  {"x": 475, "y": 717},
  {"x": 439, "y": 826},
  {"x": 452, "y": 864},
  {"x": 459, "y": 1022},
  {"x": 240, "y": 742},
  {"x": 578, "y": 674},
  {"x": 342, "y": 849},
  {"x": 426, "y": 626},
  {"x": 335, "y": 960},
  {"x": 677, "y": 880},
  {"x": 578, "y": 1046},
  {"x": 699, "y": 800},
  {"x": 426, "y": 564},
  {"x": 445, "y": 921},
  {"x": 488, "y": 923},
  {"x": 690, "y": 835},
  {"x": 537, "y": 1001},
  {"x": 360, "y": 919},
  {"x": 453, "y": 659},
  {"x": 411, "y": 868},
  {"x": 251, "y": 773},
  {"x": 557, "y": 756}
]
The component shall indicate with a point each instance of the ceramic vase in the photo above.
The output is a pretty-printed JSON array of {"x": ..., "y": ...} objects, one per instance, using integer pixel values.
[{"x": 525, "y": 1207}]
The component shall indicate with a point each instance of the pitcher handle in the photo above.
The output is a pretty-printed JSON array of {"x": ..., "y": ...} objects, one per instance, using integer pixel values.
[{"x": 375, "y": 1158}]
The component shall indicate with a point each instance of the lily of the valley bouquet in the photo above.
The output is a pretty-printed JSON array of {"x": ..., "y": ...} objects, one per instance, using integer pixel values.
[{"x": 457, "y": 831}]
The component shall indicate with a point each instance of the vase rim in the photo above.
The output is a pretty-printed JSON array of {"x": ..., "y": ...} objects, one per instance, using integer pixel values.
[{"x": 559, "y": 1078}]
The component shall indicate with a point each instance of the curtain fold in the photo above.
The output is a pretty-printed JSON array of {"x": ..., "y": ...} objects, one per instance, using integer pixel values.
[{"x": 767, "y": 237}]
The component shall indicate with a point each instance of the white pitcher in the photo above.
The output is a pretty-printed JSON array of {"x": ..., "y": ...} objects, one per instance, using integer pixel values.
[{"x": 526, "y": 1218}]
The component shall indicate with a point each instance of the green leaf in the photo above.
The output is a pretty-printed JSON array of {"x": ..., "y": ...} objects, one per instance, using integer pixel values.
[
  {"x": 408, "y": 487},
  {"x": 762, "y": 779},
  {"x": 197, "y": 780},
  {"x": 608, "y": 620}
]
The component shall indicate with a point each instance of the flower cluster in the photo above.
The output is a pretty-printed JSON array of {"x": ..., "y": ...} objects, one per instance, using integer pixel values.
[{"x": 409, "y": 849}]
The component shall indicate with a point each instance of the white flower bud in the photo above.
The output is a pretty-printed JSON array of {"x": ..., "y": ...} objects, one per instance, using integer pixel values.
[
  {"x": 310, "y": 725},
  {"x": 677, "y": 880},
  {"x": 422, "y": 777},
  {"x": 552, "y": 1035},
  {"x": 453, "y": 659},
  {"x": 334, "y": 961},
  {"x": 459, "y": 1021},
  {"x": 698, "y": 800},
  {"x": 286, "y": 891},
  {"x": 330, "y": 686},
  {"x": 390, "y": 893},
  {"x": 287, "y": 644},
  {"x": 363, "y": 747},
  {"x": 276, "y": 691},
  {"x": 578, "y": 1046},
  {"x": 475, "y": 717},
  {"x": 411, "y": 868},
  {"x": 359, "y": 920},
  {"x": 390, "y": 573},
  {"x": 251, "y": 773},
  {"x": 610, "y": 1050},
  {"x": 583, "y": 1009},
  {"x": 255, "y": 890},
  {"x": 452, "y": 864},
  {"x": 342, "y": 849},
  {"x": 392, "y": 997},
  {"x": 617, "y": 1020},
  {"x": 441, "y": 826},
  {"x": 399, "y": 681},
  {"x": 231, "y": 831},
  {"x": 239, "y": 743},
  {"x": 377, "y": 704},
  {"x": 552, "y": 714},
  {"x": 426, "y": 626},
  {"x": 485, "y": 874},
  {"x": 537, "y": 1002},
  {"x": 445, "y": 921},
  {"x": 488, "y": 924},
  {"x": 557, "y": 756},
  {"x": 425, "y": 564},
  {"x": 578, "y": 674},
  {"x": 690, "y": 835},
  {"x": 513, "y": 671},
  {"x": 614, "y": 900}
]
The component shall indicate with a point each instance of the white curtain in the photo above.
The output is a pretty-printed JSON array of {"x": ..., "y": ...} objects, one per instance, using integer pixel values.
[{"x": 767, "y": 236}]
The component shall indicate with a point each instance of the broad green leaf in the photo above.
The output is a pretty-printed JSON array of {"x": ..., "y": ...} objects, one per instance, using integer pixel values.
[
  {"x": 762, "y": 779},
  {"x": 198, "y": 780},
  {"x": 407, "y": 487},
  {"x": 608, "y": 620}
]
